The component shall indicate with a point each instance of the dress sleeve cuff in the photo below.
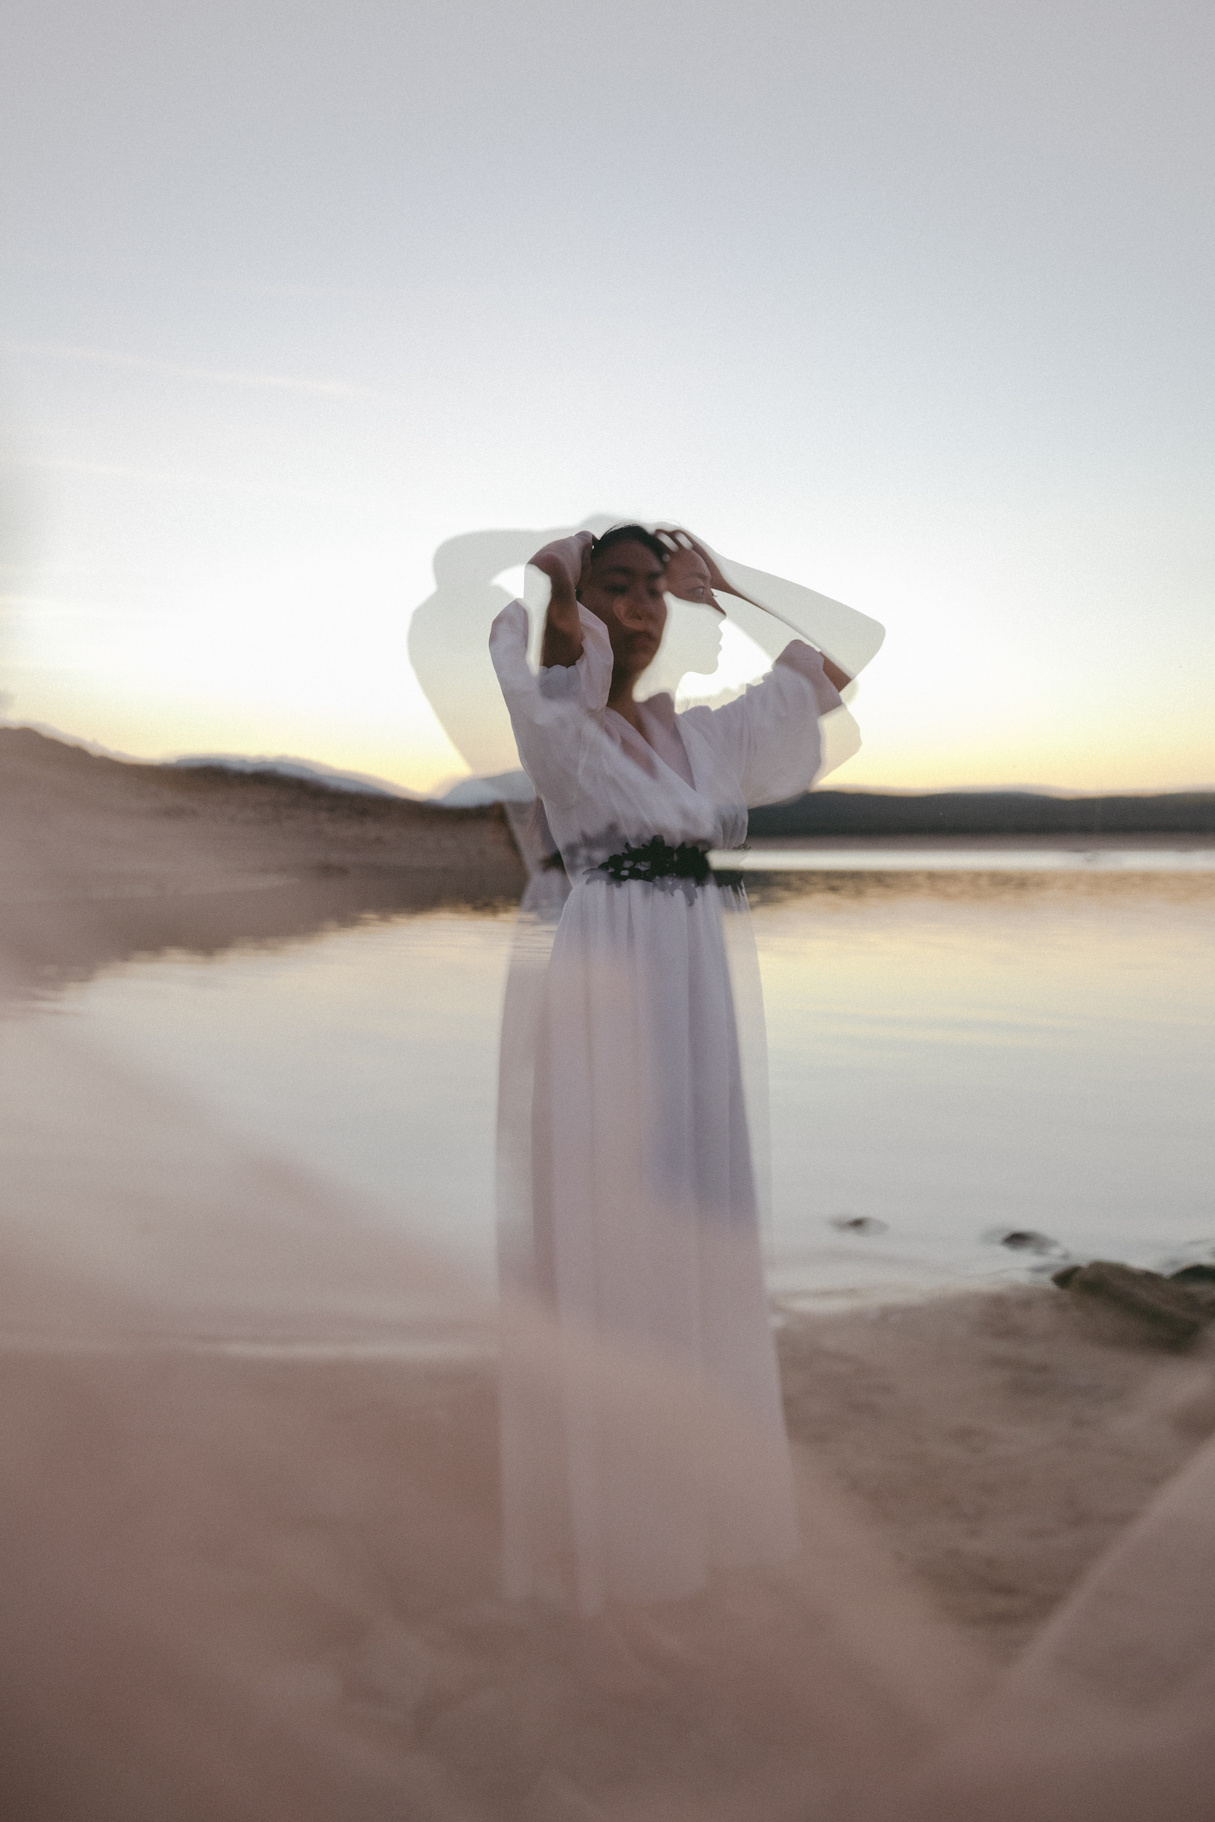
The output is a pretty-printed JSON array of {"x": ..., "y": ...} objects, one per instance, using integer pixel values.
[
  {"x": 558, "y": 682},
  {"x": 803, "y": 658}
]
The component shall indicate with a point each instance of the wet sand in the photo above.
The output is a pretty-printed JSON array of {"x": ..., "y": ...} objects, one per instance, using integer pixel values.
[{"x": 1000, "y": 1440}]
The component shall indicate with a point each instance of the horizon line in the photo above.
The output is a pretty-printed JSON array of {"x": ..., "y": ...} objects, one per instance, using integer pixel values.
[{"x": 326, "y": 770}]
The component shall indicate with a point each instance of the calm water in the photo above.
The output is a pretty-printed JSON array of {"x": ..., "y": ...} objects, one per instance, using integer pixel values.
[{"x": 952, "y": 1055}]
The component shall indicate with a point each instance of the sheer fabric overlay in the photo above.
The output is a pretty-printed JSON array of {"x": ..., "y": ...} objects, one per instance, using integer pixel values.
[
  {"x": 628, "y": 1141},
  {"x": 449, "y": 632},
  {"x": 245, "y": 1582}
]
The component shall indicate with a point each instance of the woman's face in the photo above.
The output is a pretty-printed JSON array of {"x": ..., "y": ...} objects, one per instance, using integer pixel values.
[
  {"x": 687, "y": 576},
  {"x": 625, "y": 588}
]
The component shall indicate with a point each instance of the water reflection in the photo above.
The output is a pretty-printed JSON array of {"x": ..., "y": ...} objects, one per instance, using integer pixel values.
[
  {"x": 958, "y": 1057},
  {"x": 367, "y": 1055},
  {"x": 966, "y": 857},
  {"x": 951, "y": 1055}
]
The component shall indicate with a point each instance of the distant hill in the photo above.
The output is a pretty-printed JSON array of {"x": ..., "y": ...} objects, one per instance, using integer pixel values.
[
  {"x": 102, "y": 858},
  {"x": 878, "y": 813},
  {"x": 311, "y": 770}
]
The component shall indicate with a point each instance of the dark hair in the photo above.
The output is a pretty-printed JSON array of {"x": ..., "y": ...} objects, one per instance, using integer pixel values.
[{"x": 628, "y": 534}]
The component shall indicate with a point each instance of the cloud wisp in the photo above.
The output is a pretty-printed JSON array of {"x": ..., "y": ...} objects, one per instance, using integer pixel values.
[
  {"x": 104, "y": 357},
  {"x": 121, "y": 471}
]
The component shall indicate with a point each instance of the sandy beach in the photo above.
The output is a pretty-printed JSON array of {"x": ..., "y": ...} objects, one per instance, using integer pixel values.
[
  {"x": 104, "y": 859},
  {"x": 236, "y": 1489},
  {"x": 1000, "y": 1439},
  {"x": 286, "y": 1566}
]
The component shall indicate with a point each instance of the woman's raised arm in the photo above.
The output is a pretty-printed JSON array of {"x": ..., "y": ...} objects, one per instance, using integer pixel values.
[
  {"x": 676, "y": 538},
  {"x": 563, "y": 562}
]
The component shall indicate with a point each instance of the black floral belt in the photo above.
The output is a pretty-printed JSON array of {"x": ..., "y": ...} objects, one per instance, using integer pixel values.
[{"x": 657, "y": 859}]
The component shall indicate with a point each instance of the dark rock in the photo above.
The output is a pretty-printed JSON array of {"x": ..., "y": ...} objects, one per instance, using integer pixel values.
[
  {"x": 859, "y": 1224},
  {"x": 1028, "y": 1240},
  {"x": 1063, "y": 1278},
  {"x": 1170, "y": 1312}
]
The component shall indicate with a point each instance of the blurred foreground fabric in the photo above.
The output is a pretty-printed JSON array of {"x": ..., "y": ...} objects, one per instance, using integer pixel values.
[{"x": 252, "y": 1555}]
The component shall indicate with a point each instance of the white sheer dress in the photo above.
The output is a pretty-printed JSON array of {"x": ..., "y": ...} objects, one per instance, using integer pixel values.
[{"x": 627, "y": 1176}]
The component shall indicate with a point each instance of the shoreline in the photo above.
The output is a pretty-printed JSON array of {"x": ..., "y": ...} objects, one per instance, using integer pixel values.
[
  {"x": 1000, "y": 1439},
  {"x": 105, "y": 858},
  {"x": 998, "y": 842}
]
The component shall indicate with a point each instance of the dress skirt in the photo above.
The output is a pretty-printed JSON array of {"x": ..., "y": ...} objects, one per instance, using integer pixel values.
[{"x": 634, "y": 1156}]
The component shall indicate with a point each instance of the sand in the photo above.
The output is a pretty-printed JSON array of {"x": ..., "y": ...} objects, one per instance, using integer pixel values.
[
  {"x": 103, "y": 859},
  {"x": 999, "y": 1439},
  {"x": 282, "y": 1570},
  {"x": 251, "y": 1532}
]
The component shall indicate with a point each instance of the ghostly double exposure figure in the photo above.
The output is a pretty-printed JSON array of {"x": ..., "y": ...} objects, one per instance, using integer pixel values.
[{"x": 631, "y": 1131}]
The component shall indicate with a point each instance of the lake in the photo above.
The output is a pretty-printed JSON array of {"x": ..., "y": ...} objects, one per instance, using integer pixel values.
[{"x": 956, "y": 1053}]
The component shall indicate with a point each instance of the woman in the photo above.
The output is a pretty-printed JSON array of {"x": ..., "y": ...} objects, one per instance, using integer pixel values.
[
  {"x": 643, "y": 1226},
  {"x": 449, "y": 641}
]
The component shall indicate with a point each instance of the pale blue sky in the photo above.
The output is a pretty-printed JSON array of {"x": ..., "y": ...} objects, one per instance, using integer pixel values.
[{"x": 909, "y": 303}]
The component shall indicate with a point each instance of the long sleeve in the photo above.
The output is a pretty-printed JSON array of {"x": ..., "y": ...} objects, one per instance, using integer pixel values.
[
  {"x": 557, "y": 713},
  {"x": 769, "y": 736},
  {"x": 851, "y": 638}
]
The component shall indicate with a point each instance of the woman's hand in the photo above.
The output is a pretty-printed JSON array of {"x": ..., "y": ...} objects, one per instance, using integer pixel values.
[
  {"x": 676, "y": 538},
  {"x": 564, "y": 560}
]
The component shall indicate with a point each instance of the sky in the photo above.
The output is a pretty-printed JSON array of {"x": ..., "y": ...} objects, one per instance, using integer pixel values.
[{"x": 909, "y": 303}]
